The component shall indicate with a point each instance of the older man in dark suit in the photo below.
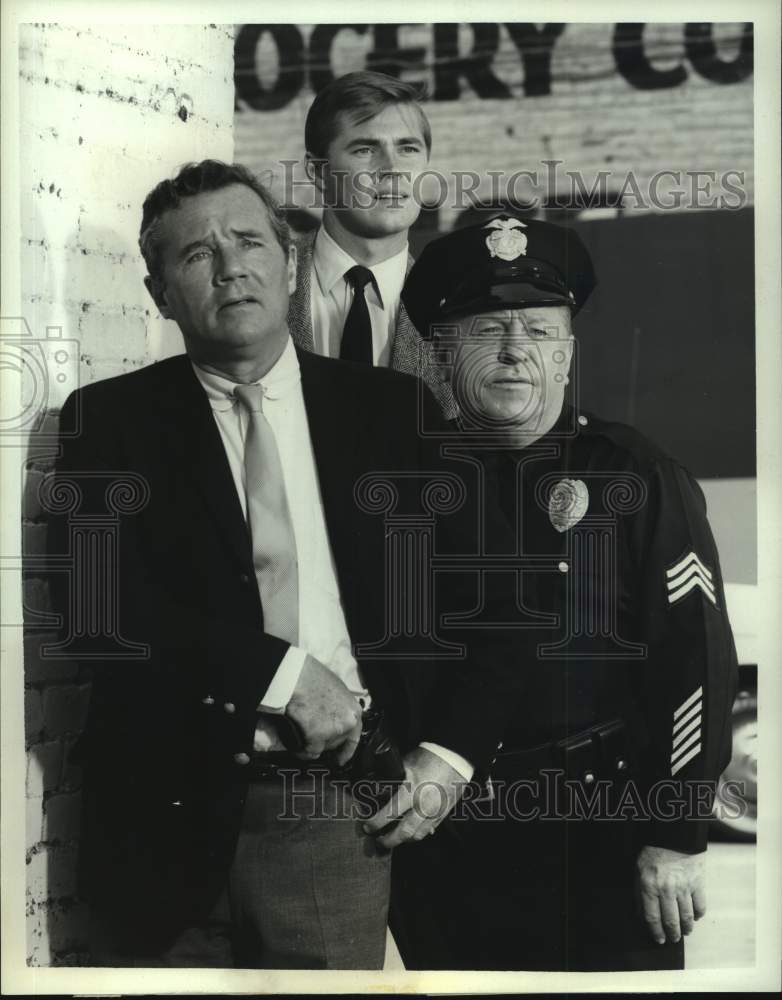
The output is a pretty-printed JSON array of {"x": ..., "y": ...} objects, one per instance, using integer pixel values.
[
  {"x": 367, "y": 142},
  {"x": 249, "y": 580}
]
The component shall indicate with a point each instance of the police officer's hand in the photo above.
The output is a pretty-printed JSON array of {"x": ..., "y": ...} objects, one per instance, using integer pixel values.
[
  {"x": 326, "y": 712},
  {"x": 429, "y": 792},
  {"x": 671, "y": 891}
]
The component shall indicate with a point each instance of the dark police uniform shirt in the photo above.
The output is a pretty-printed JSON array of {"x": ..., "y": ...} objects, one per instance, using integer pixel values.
[{"x": 623, "y": 599}]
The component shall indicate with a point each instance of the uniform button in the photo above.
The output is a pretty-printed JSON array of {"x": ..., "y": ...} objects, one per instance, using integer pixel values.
[
  {"x": 589, "y": 778},
  {"x": 583, "y": 421},
  {"x": 621, "y": 765},
  {"x": 229, "y": 707},
  {"x": 563, "y": 567},
  {"x": 500, "y": 745},
  {"x": 209, "y": 700},
  {"x": 177, "y": 802},
  {"x": 242, "y": 758},
  {"x": 244, "y": 578}
]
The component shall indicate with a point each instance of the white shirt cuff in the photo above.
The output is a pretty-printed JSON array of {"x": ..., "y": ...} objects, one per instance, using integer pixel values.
[
  {"x": 280, "y": 691},
  {"x": 457, "y": 762}
]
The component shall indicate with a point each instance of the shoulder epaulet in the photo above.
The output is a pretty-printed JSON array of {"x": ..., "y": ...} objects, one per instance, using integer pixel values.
[{"x": 621, "y": 436}]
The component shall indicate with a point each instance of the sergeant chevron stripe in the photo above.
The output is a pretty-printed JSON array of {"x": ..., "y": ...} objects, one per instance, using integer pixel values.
[
  {"x": 687, "y": 729},
  {"x": 686, "y": 575}
]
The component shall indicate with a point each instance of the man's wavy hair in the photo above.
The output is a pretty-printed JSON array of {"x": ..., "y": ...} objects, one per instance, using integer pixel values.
[
  {"x": 196, "y": 178},
  {"x": 358, "y": 96}
]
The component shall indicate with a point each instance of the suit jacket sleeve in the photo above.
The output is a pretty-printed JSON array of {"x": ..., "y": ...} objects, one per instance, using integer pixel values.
[{"x": 189, "y": 658}]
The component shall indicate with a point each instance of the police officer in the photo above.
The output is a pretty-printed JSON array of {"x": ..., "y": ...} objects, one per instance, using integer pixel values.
[{"x": 584, "y": 846}]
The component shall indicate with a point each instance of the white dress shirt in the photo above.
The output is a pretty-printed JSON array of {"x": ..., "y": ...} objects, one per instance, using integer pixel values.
[
  {"x": 323, "y": 631},
  {"x": 331, "y": 297}
]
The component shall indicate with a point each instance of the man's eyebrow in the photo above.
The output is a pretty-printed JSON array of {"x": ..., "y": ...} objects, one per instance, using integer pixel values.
[
  {"x": 530, "y": 322},
  {"x": 404, "y": 140},
  {"x": 545, "y": 322}
]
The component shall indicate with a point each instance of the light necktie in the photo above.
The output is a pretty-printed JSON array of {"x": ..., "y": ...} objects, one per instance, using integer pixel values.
[
  {"x": 269, "y": 519},
  {"x": 357, "y": 333}
]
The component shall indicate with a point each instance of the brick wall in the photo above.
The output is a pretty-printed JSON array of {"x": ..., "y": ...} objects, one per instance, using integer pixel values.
[
  {"x": 105, "y": 113},
  {"x": 682, "y": 100}
]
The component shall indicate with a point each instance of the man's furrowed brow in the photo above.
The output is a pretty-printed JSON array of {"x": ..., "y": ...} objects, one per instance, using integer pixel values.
[
  {"x": 203, "y": 241},
  {"x": 255, "y": 234}
]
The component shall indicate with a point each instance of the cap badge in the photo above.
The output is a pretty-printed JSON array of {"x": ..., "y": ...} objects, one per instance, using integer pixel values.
[
  {"x": 567, "y": 503},
  {"x": 507, "y": 241}
]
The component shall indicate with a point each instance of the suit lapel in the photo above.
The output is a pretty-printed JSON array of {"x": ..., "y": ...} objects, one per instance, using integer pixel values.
[
  {"x": 408, "y": 351},
  {"x": 341, "y": 458},
  {"x": 335, "y": 442},
  {"x": 412, "y": 354},
  {"x": 194, "y": 441},
  {"x": 299, "y": 310}
]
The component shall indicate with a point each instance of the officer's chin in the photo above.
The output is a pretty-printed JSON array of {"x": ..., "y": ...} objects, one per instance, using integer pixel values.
[
  {"x": 517, "y": 404},
  {"x": 388, "y": 218}
]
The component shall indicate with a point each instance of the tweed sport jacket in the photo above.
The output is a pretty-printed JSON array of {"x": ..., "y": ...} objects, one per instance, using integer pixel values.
[{"x": 410, "y": 353}]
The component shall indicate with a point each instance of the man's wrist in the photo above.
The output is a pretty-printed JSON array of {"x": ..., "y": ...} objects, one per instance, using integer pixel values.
[
  {"x": 286, "y": 677},
  {"x": 455, "y": 760}
]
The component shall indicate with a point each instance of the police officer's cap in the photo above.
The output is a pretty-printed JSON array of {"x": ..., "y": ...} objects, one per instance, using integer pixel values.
[{"x": 502, "y": 263}]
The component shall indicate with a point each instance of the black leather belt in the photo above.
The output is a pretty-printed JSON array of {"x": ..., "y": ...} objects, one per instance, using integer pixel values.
[{"x": 600, "y": 752}]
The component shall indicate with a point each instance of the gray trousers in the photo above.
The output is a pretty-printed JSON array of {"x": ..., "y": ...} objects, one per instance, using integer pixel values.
[{"x": 307, "y": 889}]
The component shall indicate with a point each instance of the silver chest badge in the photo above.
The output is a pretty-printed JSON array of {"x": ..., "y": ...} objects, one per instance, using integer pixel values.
[
  {"x": 567, "y": 503},
  {"x": 506, "y": 241}
]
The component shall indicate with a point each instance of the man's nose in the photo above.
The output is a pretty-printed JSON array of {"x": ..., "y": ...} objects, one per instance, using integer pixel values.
[
  {"x": 515, "y": 344},
  {"x": 387, "y": 160},
  {"x": 229, "y": 265}
]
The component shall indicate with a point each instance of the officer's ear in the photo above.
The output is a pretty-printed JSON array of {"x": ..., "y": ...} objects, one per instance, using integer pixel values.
[
  {"x": 445, "y": 338},
  {"x": 441, "y": 359},
  {"x": 157, "y": 290}
]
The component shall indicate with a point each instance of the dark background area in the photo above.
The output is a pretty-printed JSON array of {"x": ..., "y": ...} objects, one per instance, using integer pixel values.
[{"x": 668, "y": 339}]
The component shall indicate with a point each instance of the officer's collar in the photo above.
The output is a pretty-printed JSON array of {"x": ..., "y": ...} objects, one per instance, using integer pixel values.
[{"x": 565, "y": 426}]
